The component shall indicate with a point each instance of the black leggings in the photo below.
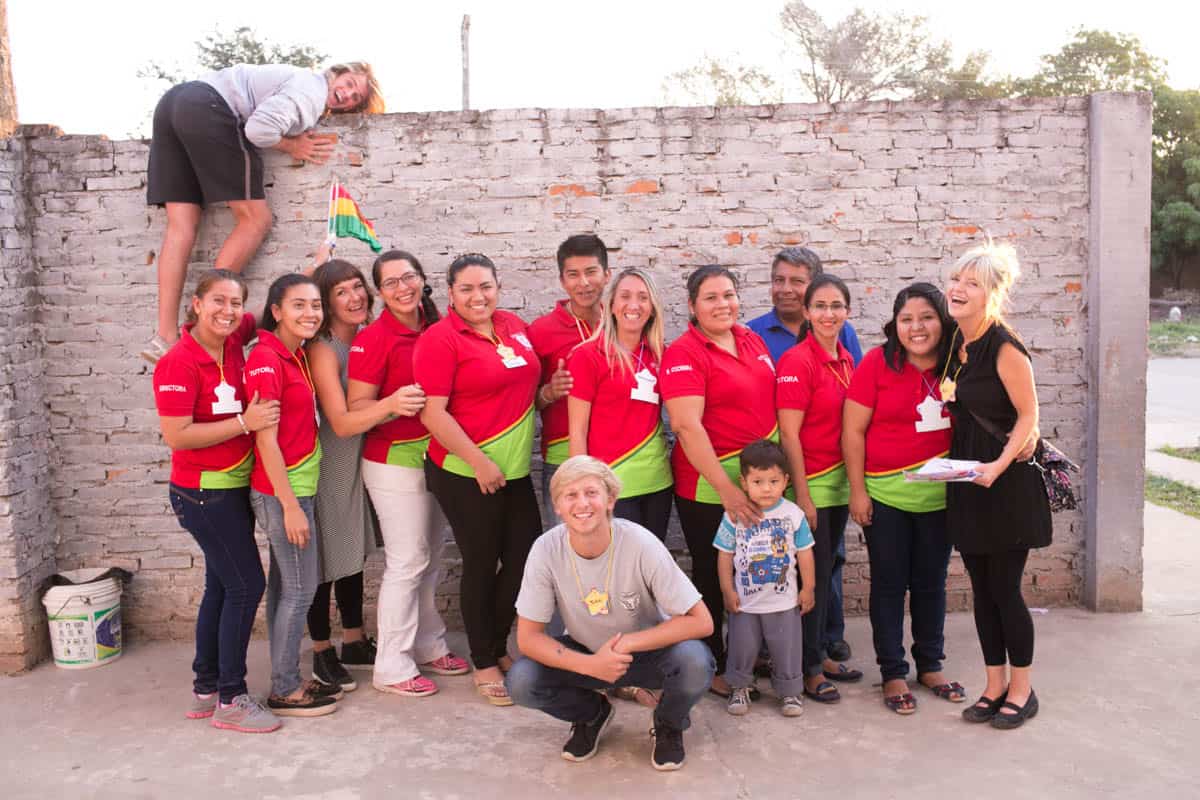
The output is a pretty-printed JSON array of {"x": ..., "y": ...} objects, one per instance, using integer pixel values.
[
  {"x": 831, "y": 527},
  {"x": 349, "y": 593},
  {"x": 700, "y": 522},
  {"x": 490, "y": 530},
  {"x": 1001, "y": 618}
]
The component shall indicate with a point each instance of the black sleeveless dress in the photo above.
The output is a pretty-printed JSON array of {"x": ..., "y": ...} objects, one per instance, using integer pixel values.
[{"x": 1012, "y": 514}]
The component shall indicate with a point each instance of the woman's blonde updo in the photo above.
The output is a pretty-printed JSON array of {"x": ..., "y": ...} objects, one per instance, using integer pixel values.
[{"x": 996, "y": 268}]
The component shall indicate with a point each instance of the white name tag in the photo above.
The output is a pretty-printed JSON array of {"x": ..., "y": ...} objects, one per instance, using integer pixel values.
[
  {"x": 227, "y": 402},
  {"x": 644, "y": 391},
  {"x": 515, "y": 361},
  {"x": 931, "y": 416}
]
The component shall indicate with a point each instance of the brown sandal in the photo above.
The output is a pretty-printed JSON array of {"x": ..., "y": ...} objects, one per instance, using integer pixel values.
[{"x": 638, "y": 694}]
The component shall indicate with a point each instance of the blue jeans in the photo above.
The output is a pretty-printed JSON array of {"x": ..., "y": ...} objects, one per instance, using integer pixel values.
[
  {"x": 683, "y": 671},
  {"x": 220, "y": 522},
  {"x": 909, "y": 555},
  {"x": 291, "y": 585},
  {"x": 835, "y": 619}
]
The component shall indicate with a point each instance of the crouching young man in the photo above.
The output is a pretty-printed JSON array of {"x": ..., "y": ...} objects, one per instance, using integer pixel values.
[{"x": 634, "y": 619}]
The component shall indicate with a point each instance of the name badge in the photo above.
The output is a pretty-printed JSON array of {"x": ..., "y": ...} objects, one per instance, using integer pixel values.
[
  {"x": 597, "y": 602},
  {"x": 509, "y": 357},
  {"x": 931, "y": 416},
  {"x": 644, "y": 391},
  {"x": 227, "y": 402}
]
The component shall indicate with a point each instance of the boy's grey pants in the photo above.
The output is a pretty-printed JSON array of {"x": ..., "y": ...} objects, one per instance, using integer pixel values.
[{"x": 782, "y": 632}]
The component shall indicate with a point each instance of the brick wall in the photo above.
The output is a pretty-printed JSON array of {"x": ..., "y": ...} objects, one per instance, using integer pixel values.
[
  {"x": 27, "y": 525},
  {"x": 886, "y": 192}
]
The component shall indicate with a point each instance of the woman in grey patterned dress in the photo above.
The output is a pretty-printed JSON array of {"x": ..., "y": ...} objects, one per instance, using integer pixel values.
[{"x": 345, "y": 520}]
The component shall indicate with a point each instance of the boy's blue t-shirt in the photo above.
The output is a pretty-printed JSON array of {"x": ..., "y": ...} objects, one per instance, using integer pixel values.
[{"x": 764, "y": 556}]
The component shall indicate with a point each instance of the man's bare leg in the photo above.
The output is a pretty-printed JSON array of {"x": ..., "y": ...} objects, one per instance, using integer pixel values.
[
  {"x": 180, "y": 236},
  {"x": 253, "y": 221}
]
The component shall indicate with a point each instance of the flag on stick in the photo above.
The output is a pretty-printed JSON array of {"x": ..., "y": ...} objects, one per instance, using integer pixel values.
[{"x": 346, "y": 220}]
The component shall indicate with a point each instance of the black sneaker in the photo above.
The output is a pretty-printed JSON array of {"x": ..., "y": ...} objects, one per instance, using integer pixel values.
[
  {"x": 585, "y": 736},
  {"x": 318, "y": 689},
  {"x": 668, "y": 748},
  {"x": 359, "y": 655},
  {"x": 839, "y": 650},
  {"x": 327, "y": 669}
]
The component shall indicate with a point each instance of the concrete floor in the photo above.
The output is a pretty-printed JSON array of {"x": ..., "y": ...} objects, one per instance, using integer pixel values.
[{"x": 1119, "y": 717}]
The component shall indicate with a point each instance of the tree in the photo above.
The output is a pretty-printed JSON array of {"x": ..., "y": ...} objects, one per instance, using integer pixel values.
[
  {"x": 1175, "y": 186},
  {"x": 713, "y": 82},
  {"x": 1095, "y": 61},
  {"x": 864, "y": 56},
  {"x": 965, "y": 82},
  {"x": 219, "y": 50}
]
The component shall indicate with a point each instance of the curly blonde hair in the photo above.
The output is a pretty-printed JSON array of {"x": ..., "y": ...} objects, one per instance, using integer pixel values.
[{"x": 373, "y": 103}]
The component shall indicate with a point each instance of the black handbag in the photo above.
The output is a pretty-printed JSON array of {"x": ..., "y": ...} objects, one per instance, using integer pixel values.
[{"x": 1054, "y": 465}]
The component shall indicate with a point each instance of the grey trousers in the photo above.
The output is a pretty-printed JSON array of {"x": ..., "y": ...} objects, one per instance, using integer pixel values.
[{"x": 784, "y": 637}]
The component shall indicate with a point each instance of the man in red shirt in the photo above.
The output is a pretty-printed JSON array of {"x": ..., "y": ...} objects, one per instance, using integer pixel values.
[{"x": 583, "y": 274}]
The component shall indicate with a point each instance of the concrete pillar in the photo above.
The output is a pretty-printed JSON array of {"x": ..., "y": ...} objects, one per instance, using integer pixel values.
[{"x": 1118, "y": 286}]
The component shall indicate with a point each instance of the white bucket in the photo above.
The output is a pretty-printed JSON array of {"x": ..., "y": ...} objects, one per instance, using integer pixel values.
[{"x": 85, "y": 620}]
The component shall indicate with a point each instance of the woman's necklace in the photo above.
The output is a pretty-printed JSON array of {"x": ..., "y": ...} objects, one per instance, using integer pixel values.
[
  {"x": 595, "y": 600},
  {"x": 949, "y": 385}
]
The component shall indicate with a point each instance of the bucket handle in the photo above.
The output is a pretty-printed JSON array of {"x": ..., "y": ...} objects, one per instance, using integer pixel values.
[{"x": 87, "y": 601}]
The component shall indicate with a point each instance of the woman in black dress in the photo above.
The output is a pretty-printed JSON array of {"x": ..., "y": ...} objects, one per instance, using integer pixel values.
[{"x": 995, "y": 521}]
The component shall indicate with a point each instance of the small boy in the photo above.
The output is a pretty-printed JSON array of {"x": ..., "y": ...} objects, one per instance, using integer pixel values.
[{"x": 758, "y": 582}]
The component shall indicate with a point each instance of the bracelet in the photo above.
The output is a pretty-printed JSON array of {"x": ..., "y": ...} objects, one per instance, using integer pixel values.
[
  {"x": 242, "y": 422},
  {"x": 542, "y": 392}
]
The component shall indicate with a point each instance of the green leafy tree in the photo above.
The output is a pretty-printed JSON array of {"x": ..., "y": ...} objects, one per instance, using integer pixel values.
[
  {"x": 1095, "y": 61},
  {"x": 219, "y": 50},
  {"x": 714, "y": 82},
  {"x": 1175, "y": 187}
]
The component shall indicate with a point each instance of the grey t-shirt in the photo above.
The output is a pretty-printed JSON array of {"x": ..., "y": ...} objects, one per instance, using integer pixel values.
[
  {"x": 271, "y": 100},
  {"x": 646, "y": 584}
]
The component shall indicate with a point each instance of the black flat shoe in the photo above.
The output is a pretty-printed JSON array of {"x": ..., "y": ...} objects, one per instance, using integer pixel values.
[
  {"x": 1006, "y": 722},
  {"x": 839, "y": 650},
  {"x": 844, "y": 674},
  {"x": 978, "y": 713}
]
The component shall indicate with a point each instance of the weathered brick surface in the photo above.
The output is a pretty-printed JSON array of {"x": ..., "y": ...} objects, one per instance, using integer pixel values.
[
  {"x": 27, "y": 524},
  {"x": 885, "y": 192}
]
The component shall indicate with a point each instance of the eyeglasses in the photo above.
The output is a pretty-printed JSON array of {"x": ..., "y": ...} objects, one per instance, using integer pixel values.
[
  {"x": 408, "y": 279},
  {"x": 836, "y": 308}
]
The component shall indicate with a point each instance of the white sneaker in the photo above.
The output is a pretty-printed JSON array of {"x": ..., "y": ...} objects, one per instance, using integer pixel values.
[
  {"x": 739, "y": 701},
  {"x": 791, "y": 706}
]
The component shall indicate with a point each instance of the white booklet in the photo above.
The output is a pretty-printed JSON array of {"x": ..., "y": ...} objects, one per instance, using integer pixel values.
[{"x": 944, "y": 470}]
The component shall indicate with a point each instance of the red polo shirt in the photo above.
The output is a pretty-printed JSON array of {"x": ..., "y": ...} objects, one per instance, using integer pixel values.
[
  {"x": 492, "y": 402},
  {"x": 185, "y": 383},
  {"x": 893, "y": 443},
  {"x": 554, "y": 336},
  {"x": 812, "y": 381},
  {"x": 278, "y": 374},
  {"x": 739, "y": 400},
  {"x": 382, "y": 355},
  {"x": 624, "y": 431}
]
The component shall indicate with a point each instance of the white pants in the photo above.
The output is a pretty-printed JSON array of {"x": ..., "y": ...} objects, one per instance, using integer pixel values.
[{"x": 411, "y": 631}]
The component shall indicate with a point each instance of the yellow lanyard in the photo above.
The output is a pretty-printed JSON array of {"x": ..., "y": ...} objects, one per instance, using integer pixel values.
[
  {"x": 844, "y": 376},
  {"x": 305, "y": 371}
]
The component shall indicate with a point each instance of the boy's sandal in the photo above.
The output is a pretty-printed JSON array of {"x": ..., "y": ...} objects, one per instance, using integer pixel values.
[
  {"x": 826, "y": 693},
  {"x": 902, "y": 704},
  {"x": 637, "y": 694},
  {"x": 494, "y": 692},
  {"x": 844, "y": 674},
  {"x": 952, "y": 691}
]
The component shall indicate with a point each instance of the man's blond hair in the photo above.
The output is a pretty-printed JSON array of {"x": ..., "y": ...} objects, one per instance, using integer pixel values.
[{"x": 578, "y": 467}]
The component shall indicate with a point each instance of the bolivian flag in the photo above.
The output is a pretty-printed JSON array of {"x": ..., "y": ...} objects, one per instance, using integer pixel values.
[{"x": 346, "y": 220}]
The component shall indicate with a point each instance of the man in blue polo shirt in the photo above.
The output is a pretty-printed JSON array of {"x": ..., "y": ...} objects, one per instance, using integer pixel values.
[{"x": 791, "y": 271}]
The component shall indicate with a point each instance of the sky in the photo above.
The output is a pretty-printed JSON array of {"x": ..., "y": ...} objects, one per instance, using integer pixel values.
[{"x": 76, "y": 67}]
